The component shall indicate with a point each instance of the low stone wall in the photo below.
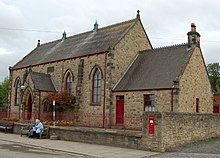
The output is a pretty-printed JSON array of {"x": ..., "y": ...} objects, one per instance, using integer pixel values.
[
  {"x": 121, "y": 138},
  {"x": 170, "y": 130},
  {"x": 174, "y": 129},
  {"x": 113, "y": 137}
]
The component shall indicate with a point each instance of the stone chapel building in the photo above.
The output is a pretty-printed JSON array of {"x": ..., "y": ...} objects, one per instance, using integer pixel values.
[{"x": 115, "y": 74}]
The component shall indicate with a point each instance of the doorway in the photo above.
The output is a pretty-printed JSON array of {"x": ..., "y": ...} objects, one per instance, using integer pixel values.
[
  {"x": 119, "y": 110},
  {"x": 29, "y": 107}
]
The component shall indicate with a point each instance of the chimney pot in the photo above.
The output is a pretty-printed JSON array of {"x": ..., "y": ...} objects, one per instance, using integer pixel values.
[
  {"x": 95, "y": 26},
  {"x": 64, "y": 35},
  {"x": 38, "y": 43},
  {"x": 193, "y": 27}
]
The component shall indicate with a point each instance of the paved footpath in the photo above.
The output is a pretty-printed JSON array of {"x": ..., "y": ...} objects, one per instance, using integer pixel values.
[{"x": 90, "y": 150}]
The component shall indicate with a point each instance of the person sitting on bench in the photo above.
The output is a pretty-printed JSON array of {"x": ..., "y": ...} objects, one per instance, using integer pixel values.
[{"x": 37, "y": 129}]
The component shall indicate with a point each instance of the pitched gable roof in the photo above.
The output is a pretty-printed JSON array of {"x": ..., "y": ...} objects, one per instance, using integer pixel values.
[
  {"x": 155, "y": 69},
  {"x": 43, "y": 82},
  {"x": 78, "y": 45}
]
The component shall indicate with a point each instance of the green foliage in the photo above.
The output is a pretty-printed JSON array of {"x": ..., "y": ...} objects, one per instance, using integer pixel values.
[
  {"x": 4, "y": 93},
  {"x": 214, "y": 76}
]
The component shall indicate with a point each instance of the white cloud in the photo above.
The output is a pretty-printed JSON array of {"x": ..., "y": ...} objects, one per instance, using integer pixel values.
[{"x": 4, "y": 51}]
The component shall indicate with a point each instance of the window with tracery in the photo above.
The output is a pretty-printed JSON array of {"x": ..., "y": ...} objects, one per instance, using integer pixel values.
[
  {"x": 69, "y": 80},
  {"x": 96, "y": 89}
]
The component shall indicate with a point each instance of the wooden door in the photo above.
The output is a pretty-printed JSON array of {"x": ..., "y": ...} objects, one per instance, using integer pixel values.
[
  {"x": 29, "y": 108},
  {"x": 119, "y": 110},
  {"x": 216, "y": 109}
]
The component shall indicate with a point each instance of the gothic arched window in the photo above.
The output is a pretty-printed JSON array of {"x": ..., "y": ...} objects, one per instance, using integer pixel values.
[
  {"x": 17, "y": 92},
  {"x": 69, "y": 80},
  {"x": 96, "y": 90}
]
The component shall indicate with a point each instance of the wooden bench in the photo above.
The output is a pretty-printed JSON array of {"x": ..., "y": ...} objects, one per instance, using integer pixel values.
[
  {"x": 6, "y": 125},
  {"x": 44, "y": 133},
  {"x": 27, "y": 131}
]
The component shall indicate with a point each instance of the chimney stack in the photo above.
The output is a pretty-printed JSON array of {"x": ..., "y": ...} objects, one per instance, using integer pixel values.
[{"x": 193, "y": 36}]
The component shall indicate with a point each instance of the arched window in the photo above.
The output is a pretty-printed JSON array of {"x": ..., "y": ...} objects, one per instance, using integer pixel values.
[
  {"x": 96, "y": 91},
  {"x": 69, "y": 80},
  {"x": 17, "y": 92}
]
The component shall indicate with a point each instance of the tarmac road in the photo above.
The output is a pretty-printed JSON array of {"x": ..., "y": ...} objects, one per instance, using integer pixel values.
[
  {"x": 203, "y": 149},
  {"x": 17, "y": 150},
  {"x": 14, "y": 146}
]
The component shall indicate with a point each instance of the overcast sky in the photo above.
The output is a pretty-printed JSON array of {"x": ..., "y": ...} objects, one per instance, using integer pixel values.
[{"x": 23, "y": 22}]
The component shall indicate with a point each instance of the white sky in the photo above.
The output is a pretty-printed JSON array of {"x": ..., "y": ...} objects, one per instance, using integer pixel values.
[{"x": 166, "y": 23}]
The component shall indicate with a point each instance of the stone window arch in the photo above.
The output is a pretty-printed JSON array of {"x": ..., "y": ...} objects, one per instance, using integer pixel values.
[
  {"x": 17, "y": 85},
  {"x": 68, "y": 81},
  {"x": 96, "y": 86}
]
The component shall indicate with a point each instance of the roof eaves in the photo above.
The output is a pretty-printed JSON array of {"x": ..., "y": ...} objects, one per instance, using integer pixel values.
[
  {"x": 31, "y": 75},
  {"x": 144, "y": 89},
  {"x": 53, "y": 84}
]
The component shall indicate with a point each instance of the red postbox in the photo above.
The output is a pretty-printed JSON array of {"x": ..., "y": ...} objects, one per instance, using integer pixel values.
[{"x": 151, "y": 125}]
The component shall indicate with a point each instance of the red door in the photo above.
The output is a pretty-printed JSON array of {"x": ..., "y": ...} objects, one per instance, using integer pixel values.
[
  {"x": 215, "y": 109},
  {"x": 119, "y": 110},
  {"x": 29, "y": 110}
]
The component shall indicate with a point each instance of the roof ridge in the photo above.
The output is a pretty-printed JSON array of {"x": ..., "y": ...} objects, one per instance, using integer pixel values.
[
  {"x": 82, "y": 33},
  {"x": 169, "y": 46},
  {"x": 120, "y": 23}
]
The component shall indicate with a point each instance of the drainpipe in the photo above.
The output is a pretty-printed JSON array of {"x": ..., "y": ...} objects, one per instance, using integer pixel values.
[
  {"x": 39, "y": 101},
  {"x": 171, "y": 101},
  {"x": 9, "y": 112},
  {"x": 104, "y": 99}
]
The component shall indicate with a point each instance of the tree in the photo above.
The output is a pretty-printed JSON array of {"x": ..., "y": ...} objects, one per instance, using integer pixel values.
[
  {"x": 4, "y": 92},
  {"x": 64, "y": 101},
  {"x": 214, "y": 76}
]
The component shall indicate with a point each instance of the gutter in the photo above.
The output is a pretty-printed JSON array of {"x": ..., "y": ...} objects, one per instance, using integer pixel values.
[
  {"x": 150, "y": 89},
  {"x": 55, "y": 61},
  {"x": 39, "y": 104},
  {"x": 11, "y": 93},
  {"x": 171, "y": 101}
]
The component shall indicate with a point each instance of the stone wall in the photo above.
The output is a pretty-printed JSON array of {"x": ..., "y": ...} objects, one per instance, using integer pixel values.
[
  {"x": 120, "y": 138},
  {"x": 86, "y": 111},
  {"x": 134, "y": 106},
  {"x": 174, "y": 129},
  {"x": 194, "y": 83},
  {"x": 111, "y": 65},
  {"x": 171, "y": 130}
]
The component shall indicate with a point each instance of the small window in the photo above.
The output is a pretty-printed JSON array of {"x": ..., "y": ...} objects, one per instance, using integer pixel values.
[
  {"x": 149, "y": 102},
  {"x": 50, "y": 69},
  {"x": 197, "y": 104}
]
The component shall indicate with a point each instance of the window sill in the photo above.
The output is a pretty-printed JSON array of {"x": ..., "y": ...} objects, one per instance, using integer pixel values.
[{"x": 95, "y": 104}]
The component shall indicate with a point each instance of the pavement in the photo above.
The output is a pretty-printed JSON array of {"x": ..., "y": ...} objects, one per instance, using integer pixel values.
[{"x": 84, "y": 149}]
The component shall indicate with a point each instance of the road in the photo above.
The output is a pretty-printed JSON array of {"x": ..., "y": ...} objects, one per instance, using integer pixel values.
[
  {"x": 16, "y": 150},
  {"x": 202, "y": 149}
]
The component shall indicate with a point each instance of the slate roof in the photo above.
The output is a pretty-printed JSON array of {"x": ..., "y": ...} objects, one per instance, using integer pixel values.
[
  {"x": 78, "y": 45},
  {"x": 43, "y": 82},
  {"x": 155, "y": 69}
]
